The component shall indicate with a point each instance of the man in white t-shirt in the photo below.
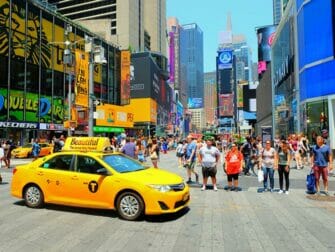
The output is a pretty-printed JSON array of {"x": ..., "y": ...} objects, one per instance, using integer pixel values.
[{"x": 209, "y": 156}]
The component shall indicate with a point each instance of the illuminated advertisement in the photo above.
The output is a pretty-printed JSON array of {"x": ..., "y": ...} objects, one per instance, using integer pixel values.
[
  {"x": 265, "y": 36},
  {"x": 225, "y": 59},
  {"x": 194, "y": 103},
  {"x": 81, "y": 87},
  {"x": 239, "y": 90},
  {"x": 144, "y": 109},
  {"x": 114, "y": 116},
  {"x": 172, "y": 57},
  {"x": 125, "y": 77},
  {"x": 44, "y": 107},
  {"x": 226, "y": 102}
]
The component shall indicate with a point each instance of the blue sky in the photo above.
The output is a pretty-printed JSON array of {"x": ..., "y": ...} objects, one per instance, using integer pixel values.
[{"x": 211, "y": 16}]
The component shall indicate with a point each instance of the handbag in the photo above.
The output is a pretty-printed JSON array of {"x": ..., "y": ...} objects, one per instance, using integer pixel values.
[
  {"x": 260, "y": 175},
  {"x": 310, "y": 182},
  {"x": 153, "y": 155}
]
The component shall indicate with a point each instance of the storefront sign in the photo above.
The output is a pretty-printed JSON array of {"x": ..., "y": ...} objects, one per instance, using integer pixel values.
[
  {"x": 51, "y": 126},
  {"x": 81, "y": 88},
  {"x": 282, "y": 72},
  {"x": 19, "y": 125},
  {"x": 108, "y": 129}
]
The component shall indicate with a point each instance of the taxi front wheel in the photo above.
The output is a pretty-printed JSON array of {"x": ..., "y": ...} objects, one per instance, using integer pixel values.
[
  {"x": 33, "y": 196},
  {"x": 130, "y": 206}
]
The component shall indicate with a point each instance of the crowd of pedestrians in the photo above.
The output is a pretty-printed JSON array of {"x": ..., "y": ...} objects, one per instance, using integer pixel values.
[{"x": 254, "y": 156}]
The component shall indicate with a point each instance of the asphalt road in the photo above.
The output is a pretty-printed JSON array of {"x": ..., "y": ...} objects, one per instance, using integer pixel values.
[{"x": 215, "y": 221}]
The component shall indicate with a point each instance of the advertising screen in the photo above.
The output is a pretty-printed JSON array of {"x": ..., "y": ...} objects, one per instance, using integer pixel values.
[
  {"x": 46, "y": 107},
  {"x": 225, "y": 59},
  {"x": 265, "y": 36},
  {"x": 172, "y": 57},
  {"x": 226, "y": 105},
  {"x": 125, "y": 77},
  {"x": 194, "y": 103}
]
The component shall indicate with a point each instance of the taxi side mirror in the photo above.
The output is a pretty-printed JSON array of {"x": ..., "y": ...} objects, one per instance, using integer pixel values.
[{"x": 102, "y": 171}]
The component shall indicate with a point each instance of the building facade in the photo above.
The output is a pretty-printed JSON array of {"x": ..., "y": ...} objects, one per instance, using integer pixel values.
[
  {"x": 210, "y": 98},
  {"x": 138, "y": 25},
  {"x": 38, "y": 72},
  {"x": 316, "y": 68},
  {"x": 284, "y": 81}
]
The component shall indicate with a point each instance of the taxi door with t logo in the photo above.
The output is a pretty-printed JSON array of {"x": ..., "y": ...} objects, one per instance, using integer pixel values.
[{"x": 93, "y": 186}]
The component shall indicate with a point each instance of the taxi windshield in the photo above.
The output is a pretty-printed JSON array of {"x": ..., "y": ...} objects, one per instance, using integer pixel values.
[{"x": 123, "y": 164}]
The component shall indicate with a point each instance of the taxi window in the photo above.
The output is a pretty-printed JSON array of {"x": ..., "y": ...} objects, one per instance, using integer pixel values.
[
  {"x": 86, "y": 164},
  {"x": 123, "y": 164},
  {"x": 59, "y": 163}
]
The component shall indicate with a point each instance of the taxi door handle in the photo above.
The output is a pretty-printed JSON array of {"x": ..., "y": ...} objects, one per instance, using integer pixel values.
[
  {"x": 75, "y": 178},
  {"x": 40, "y": 173}
]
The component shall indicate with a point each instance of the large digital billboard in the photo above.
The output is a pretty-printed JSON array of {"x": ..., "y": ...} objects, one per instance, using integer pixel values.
[
  {"x": 226, "y": 102},
  {"x": 265, "y": 36},
  {"x": 125, "y": 77},
  {"x": 194, "y": 103},
  {"x": 225, "y": 59}
]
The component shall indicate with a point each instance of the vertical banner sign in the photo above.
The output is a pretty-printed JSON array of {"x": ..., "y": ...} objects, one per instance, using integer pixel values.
[
  {"x": 239, "y": 89},
  {"x": 125, "y": 77},
  {"x": 81, "y": 88}
]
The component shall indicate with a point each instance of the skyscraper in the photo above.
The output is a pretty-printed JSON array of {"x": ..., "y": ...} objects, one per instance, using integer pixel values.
[
  {"x": 192, "y": 65},
  {"x": 277, "y": 11},
  {"x": 139, "y": 25}
]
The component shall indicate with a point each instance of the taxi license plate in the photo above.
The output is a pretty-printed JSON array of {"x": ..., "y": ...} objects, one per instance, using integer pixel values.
[{"x": 186, "y": 197}]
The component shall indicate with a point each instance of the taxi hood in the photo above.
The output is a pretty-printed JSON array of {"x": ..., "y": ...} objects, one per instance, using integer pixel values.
[{"x": 154, "y": 176}]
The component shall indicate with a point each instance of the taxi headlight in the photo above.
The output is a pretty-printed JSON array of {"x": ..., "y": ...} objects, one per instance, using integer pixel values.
[{"x": 161, "y": 188}]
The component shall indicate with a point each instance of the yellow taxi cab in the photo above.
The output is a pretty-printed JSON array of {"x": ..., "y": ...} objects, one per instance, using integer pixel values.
[
  {"x": 25, "y": 151},
  {"x": 84, "y": 175}
]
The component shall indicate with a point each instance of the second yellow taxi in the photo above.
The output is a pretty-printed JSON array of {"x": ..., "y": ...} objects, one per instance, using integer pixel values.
[{"x": 82, "y": 175}]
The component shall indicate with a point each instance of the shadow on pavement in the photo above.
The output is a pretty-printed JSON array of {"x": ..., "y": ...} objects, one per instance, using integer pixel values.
[{"x": 166, "y": 217}]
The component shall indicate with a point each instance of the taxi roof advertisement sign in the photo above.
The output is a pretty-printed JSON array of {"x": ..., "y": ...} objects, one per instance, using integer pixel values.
[{"x": 86, "y": 144}]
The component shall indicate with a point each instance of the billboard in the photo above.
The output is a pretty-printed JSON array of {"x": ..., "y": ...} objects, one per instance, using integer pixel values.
[
  {"x": 224, "y": 79},
  {"x": 225, "y": 59},
  {"x": 194, "y": 103},
  {"x": 226, "y": 104},
  {"x": 265, "y": 36},
  {"x": 81, "y": 87},
  {"x": 143, "y": 109},
  {"x": 50, "y": 109},
  {"x": 125, "y": 77},
  {"x": 172, "y": 57}
]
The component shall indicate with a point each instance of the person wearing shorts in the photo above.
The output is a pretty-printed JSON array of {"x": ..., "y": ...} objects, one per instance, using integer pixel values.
[
  {"x": 190, "y": 158},
  {"x": 233, "y": 167},
  {"x": 322, "y": 160},
  {"x": 209, "y": 156}
]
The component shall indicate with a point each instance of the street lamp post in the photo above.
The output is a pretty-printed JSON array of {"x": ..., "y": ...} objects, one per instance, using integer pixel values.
[{"x": 96, "y": 56}]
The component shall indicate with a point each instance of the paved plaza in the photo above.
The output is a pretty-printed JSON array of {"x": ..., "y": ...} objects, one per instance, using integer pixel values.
[{"x": 215, "y": 221}]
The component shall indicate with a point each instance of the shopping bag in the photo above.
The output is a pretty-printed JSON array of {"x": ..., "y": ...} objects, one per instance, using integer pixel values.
[
  {"x": 310, "y": 183},
  {"x": 260, "y": 175}
]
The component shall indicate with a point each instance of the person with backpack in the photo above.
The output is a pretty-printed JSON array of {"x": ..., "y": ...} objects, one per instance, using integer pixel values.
[
  {"x": 283, "y": 163},
  {"x": 322, "y": 161}
]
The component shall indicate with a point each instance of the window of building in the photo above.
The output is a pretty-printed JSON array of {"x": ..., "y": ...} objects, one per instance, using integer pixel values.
[
  {"x": 113, "y": 31},
  {"x": 113, "y": 24}
]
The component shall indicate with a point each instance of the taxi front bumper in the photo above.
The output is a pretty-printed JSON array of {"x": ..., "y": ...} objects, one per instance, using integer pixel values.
[{"x": 166, "y": 202}]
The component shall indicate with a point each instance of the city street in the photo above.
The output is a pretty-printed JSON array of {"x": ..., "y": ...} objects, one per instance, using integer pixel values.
[{"x": 214, "y": 221}]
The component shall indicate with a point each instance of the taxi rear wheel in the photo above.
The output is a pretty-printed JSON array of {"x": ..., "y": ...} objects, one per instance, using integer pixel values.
[
  {"x": 130, "y": 206},
  {"x": 33, "y": 196}
]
